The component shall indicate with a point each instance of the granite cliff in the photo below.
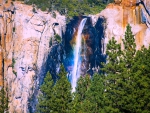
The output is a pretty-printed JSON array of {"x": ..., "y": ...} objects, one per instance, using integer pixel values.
[
  {"x": 24, "y": 35},
  {"x": 133, "y": 12}
]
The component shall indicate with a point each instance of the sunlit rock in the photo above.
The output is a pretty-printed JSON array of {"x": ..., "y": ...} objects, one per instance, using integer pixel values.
[
  {"x": 24, "y": 47},
  {"x": 117, "y": 18}
]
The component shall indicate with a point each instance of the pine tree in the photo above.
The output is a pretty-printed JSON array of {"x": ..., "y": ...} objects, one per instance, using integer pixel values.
[
  {"x": 112, "y": 71},
  {"x": 129, "y": 47},
  {"x": 118, "y": 82},
  {"x": 3, "y": 101},
  {"x": 141, "y": 80},
  {"x": 46, "y": 98},
  {"x": 94, "y": 99},
  {"x": 62, "y": 93},
  {"x": 114, "y": 59},
  {"x": 83, "y": 86},
  {"x": 126, "y": 102},
  {"x": 55, "y": 98}
]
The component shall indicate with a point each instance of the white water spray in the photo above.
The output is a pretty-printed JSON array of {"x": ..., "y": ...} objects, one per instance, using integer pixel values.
[{"x": 76, "y": 67}]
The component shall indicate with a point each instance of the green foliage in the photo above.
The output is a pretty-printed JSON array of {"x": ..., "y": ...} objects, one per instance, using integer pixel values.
[
  {"x": 45, "y": 99},
  {"x": 14, "y": 72},
  {"x": 114, "y": 57},
  {"x": 56, "y": 97},
  {"x": 71, "y": 7},
  {"x": 14, "y": 29},
  {"x": 94, "y": 99},
  {"x": 54, "y": 15},
  {"x": 63, "y": 97},
  {"x": 13, "y": 62},
  {"x": 50, "y": 42},
  {"x": 141, "y": 77},
  {"x": 124, "y": 77},
  {"x": 83, "y": 86},
  {"x": 58, "y": 38},
  {"x": 88, "y": 97},
  {"x": 34, "y": 10},
  {"x": 3, "y": 101},
  {"x": 129, "y": 47}
]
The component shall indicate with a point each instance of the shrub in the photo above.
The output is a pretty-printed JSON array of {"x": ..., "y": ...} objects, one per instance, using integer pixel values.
[
  {"x": 13, "y": 62},
  {"x": 34, "y": 10},
  {"x": 54, "y": 15},
  {"x": 14, "y": 72},
  {"x": 14, "y": 29},
  {"x": 58, "y": 38}
]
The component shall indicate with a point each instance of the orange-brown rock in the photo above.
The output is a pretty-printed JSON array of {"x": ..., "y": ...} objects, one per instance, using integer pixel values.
[
  {"x": 117, "y": 1},
  {"x": 128, "y": 3}
]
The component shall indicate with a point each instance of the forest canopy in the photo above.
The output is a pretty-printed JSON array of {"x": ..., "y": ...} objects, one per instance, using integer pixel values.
[{"x": 71, "y": 7}]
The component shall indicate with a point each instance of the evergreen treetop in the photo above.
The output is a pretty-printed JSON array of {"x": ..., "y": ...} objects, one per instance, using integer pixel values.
[
  {"x": 125, "y": 86},
  {"x": 55, "y": 97}
]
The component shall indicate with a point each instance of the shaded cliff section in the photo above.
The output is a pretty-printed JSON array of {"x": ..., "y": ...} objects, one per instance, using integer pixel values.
[
  {"x": 25, "y": 36},
  {"x": 91, "y": 48},
  {"x": 145, "y": 12}
]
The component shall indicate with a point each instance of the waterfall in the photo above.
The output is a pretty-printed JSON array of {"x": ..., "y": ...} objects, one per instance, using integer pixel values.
[
  {"x": 83, "y": 47},
  {"x": 77, "y": 49}
]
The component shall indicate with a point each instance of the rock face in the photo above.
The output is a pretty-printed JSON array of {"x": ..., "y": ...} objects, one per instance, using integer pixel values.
[
  {"x": 119, "y": 15},
  {"x": 117, "y": 1},
  {"x": 24, "y": 46}
]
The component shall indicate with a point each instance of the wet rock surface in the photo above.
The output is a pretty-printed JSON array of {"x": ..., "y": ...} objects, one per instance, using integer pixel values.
[{"x": 92, "y": 45}]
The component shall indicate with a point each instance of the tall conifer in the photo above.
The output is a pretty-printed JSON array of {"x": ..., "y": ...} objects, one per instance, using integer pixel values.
[
  {"x": 141, "y": 81},
  {"x": 62, "y": 93},
  {"x": 55, "y": 98},
  {"x": 3, "y": 101},
  {"x": 45, "y": 104},
  {"x": 83, "y": 86},
  {"x": 94, "y": 99},
  {"x": 119, "y": 85}
]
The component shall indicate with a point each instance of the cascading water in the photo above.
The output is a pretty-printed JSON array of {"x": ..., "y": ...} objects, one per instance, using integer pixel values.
[
  {"x": 83, "y": 43},
  {"x": 76, "y": 67}
]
